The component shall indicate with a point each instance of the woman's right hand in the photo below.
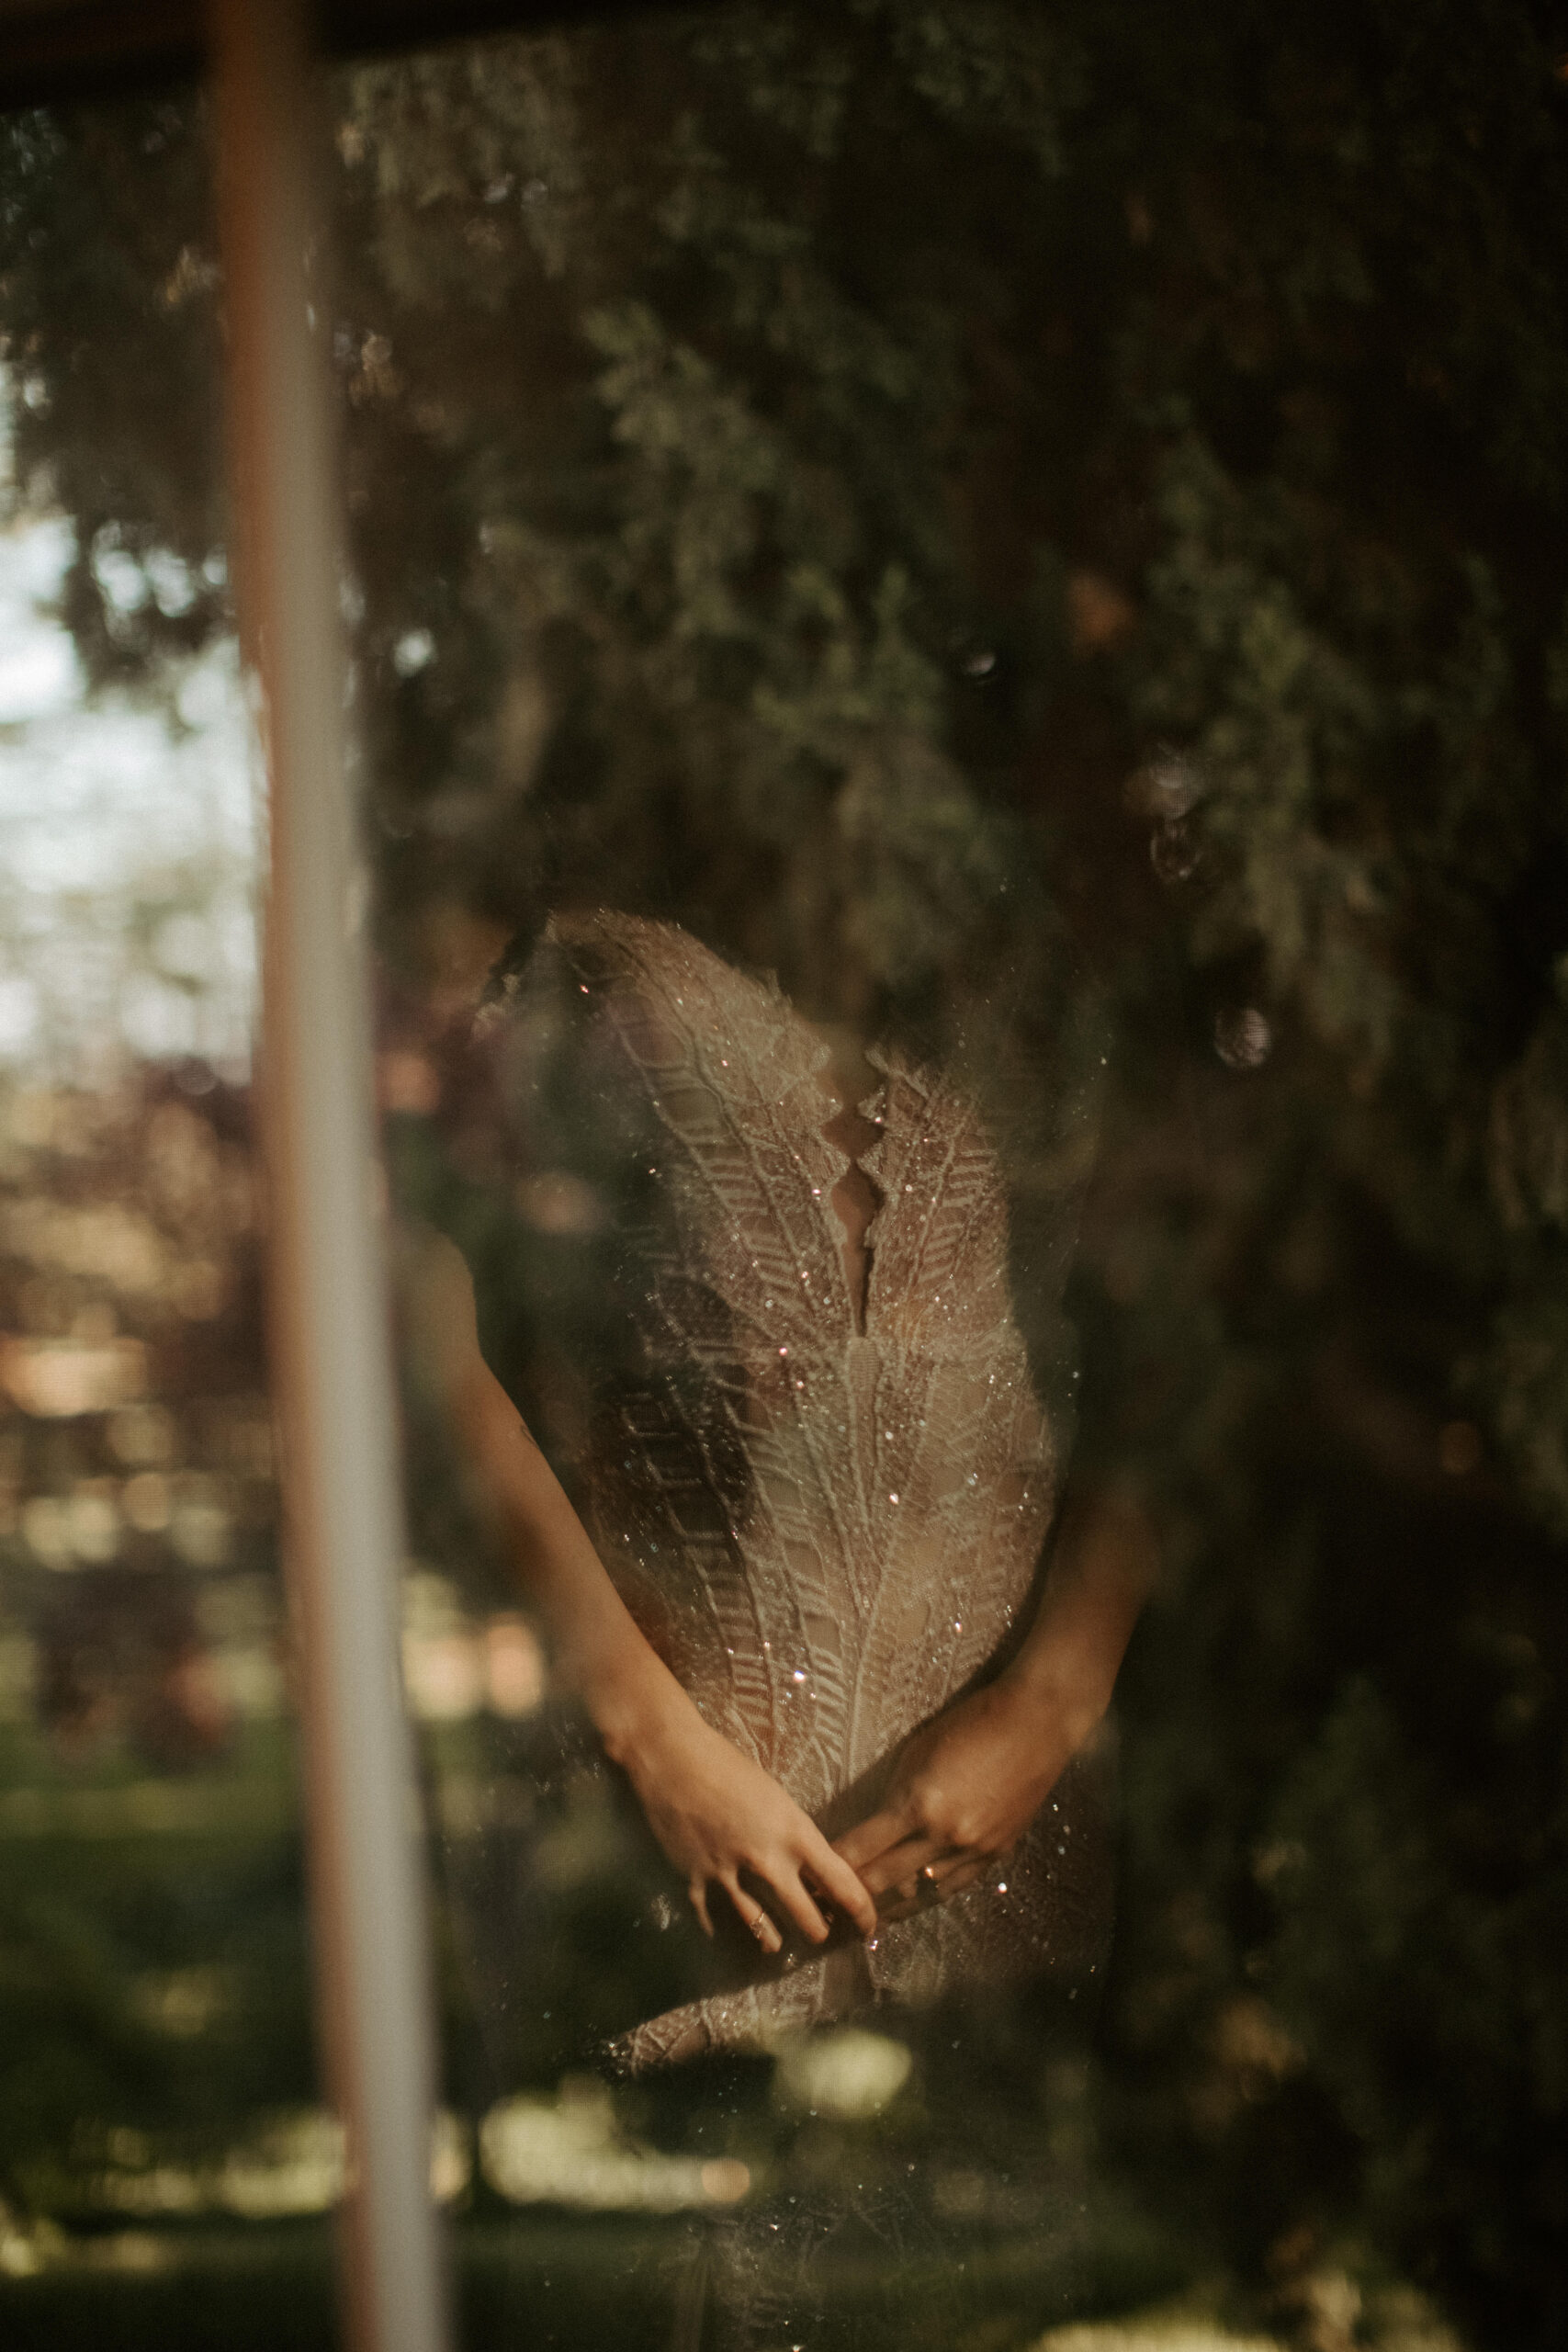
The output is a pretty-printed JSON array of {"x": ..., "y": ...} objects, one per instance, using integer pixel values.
[{"x": 717, "y": 1814}]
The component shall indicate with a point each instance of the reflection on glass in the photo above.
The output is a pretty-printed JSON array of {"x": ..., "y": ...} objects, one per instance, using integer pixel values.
[
  {"x": 943, "y": 506},
  {"x": 813, "y": 1459},
  {"x": 764, "y": 1161}
]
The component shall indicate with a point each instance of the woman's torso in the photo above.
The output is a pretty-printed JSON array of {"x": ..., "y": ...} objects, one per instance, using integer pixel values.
[{"x": 822, "y": 1477}]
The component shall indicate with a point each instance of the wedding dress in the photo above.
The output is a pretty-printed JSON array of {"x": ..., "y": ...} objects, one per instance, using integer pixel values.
[{"x": 825, "y": 1512}]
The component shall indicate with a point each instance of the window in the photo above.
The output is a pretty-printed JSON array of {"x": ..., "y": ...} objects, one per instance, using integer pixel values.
[{"x": 955, "y": 636}]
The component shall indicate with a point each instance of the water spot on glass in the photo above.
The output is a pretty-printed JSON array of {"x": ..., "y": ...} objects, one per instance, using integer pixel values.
[
  {"x": 1243, "y": 1038},
  {"x": 413, "y": 651},
  {"x": 1174, "y": 851},
  {"x": 1167, "y": 787}
]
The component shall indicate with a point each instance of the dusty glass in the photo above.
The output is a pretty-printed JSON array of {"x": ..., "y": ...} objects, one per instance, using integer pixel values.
[{"x": 942, "y": 565}]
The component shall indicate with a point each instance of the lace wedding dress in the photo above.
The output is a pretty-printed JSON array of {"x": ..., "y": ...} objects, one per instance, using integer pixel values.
[{"x": 826, "y": 1511}]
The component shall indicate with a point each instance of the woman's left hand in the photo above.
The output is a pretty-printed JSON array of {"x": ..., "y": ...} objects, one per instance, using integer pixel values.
[{"x": 966, "y": 1787}]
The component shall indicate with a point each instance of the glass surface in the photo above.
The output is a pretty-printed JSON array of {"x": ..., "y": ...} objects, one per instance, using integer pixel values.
[
  {"x": 992, "y": 517},
  {"x": 969, "y": 597}
]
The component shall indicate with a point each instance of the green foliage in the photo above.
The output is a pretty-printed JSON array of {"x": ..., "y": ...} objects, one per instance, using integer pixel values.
[
  {"x": 98, "y": 1950},
  {"x": 109, "y": 338}
]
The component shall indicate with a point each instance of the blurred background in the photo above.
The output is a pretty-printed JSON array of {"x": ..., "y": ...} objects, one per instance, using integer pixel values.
[{"x": 1112, "y": 454}]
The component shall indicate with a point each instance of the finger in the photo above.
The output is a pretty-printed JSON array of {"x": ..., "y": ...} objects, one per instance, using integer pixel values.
[
  {"x": 839, "y": 1881},
  {"x": 755, "y": 1917},
  {"x": 899, "y": 1866},
  {"x": 952, "y": 1878},
  {"x": 698, "y": 1892},
  {"x": 936, "y": 1882},
  {"x": 786, "y": 1883},
  {"x": 872, "y": 1837}
]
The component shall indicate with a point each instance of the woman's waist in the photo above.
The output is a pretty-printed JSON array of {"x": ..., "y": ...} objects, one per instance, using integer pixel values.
[{"x": 797, "y": 1569}]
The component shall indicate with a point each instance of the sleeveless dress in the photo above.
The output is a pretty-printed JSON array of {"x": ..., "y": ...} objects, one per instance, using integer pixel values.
[{"x": 825, "y": 1513}]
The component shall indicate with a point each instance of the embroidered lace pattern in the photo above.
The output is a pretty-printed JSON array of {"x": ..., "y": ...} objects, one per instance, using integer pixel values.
[{"x": 825, "y": 1512}]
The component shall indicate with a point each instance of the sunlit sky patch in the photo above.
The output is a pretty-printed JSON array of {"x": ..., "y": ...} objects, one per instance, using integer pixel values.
[{"x": 128, "y": 847}]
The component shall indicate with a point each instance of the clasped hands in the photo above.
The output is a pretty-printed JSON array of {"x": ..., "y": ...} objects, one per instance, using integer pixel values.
[{"x": 964, "y": 1789}]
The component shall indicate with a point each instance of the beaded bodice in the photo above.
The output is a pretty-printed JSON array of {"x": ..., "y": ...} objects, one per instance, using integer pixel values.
[{"x": 826, "y": 1511}]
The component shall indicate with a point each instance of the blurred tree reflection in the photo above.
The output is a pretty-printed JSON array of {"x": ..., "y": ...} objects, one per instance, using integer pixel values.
[{"x": 1125, "y": 450}]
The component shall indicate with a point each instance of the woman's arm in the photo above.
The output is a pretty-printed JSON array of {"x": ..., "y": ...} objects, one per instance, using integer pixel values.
[
  {"x": 969, "y": 1783},
  {"x": 715, "y": 1811}
]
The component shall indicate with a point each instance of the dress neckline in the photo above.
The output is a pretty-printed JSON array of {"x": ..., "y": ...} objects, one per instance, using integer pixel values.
[{"x": 804, "y": 1097}]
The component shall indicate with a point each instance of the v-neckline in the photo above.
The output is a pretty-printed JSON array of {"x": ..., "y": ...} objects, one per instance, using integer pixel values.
[{"x": 855, "y": 1155}]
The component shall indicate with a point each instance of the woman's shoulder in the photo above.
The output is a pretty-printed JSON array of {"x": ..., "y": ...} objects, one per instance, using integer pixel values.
[
  {"x": 643, "y": 952},
  {"x": 637, "y": 969}
]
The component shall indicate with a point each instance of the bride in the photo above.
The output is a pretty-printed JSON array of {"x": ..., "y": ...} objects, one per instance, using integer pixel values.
[{"x": 798, "y": 1581}]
